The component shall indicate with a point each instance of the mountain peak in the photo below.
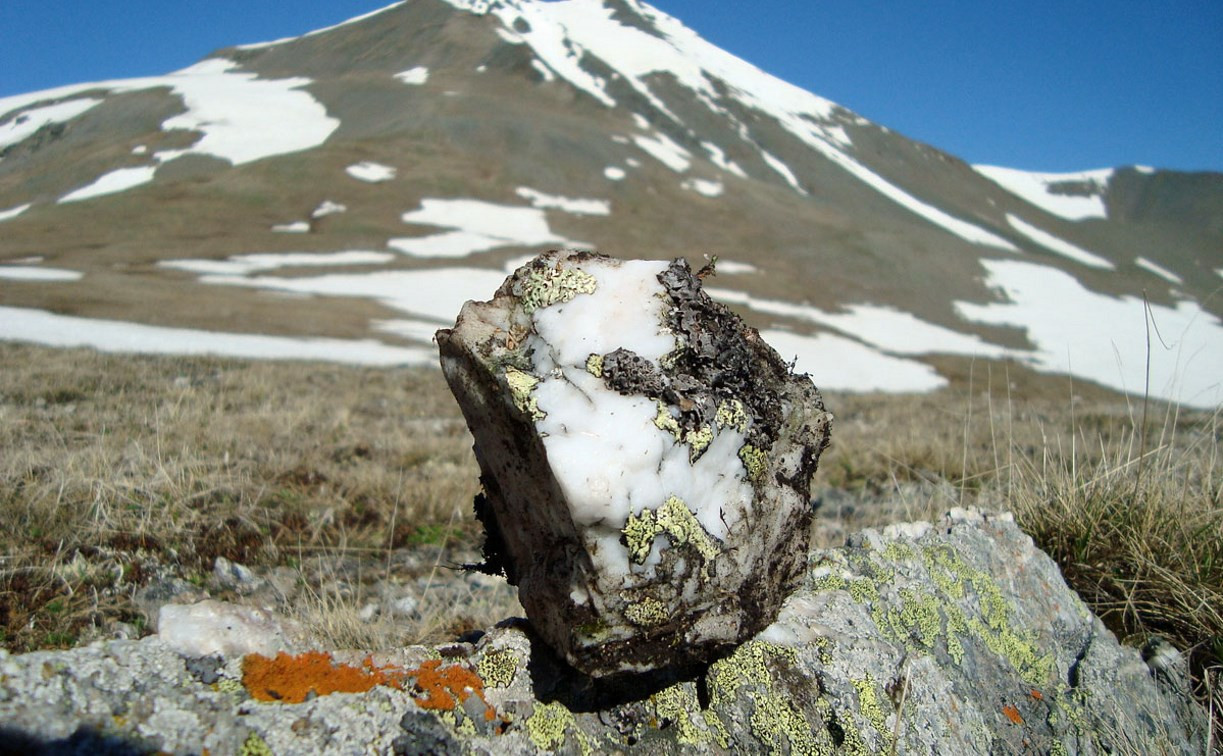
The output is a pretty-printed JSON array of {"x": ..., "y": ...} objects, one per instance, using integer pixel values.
[{"x": 415, "y": 152}]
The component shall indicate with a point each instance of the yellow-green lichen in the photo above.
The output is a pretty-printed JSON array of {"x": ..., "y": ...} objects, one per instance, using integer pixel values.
[
  {"x": 594, "y": 365},
  {"x": 678, "y": 704},
  {"x": 229, "y": 685},
  {"x": 554, "y": 285},
  {"x": 646, "y": 612},
  {"x": 665, "y": 422},
  {"x": 675, "y": 520},
  {"x": 522, "y": 385},
  {"x": 699, "y": 440},
  {"x": 254, "y": 745},
  {"x": 755, "y": 461},
  {"x": 898, "y": 552},
  {"x": 548, "y": 725},
  {"x": 497, "y": 668},
  {"x": 918, "y": 619},
  {"x": 732, "y": 414},
  {"x": 993, "y": 626},
  {"x": 774, "y": 715},
  {"x": 639, "y": 533},
  {"x": 681, "y": 525},
  {"x": 868, "y": 705}
]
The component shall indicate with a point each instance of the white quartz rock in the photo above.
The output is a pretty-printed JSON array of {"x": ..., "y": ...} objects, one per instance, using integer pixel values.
[
  {"x": 216, "y": 627},
  {"x": 646, "y": 459}
]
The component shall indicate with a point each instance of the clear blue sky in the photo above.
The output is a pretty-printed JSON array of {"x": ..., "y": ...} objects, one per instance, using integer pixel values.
[{"x": 1035, "y": 84}]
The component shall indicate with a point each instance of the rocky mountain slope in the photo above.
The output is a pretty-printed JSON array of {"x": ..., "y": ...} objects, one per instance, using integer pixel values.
[{"x": 339, "y": 195}]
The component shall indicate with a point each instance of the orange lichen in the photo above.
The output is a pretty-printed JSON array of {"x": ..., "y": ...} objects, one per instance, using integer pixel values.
[
  {"x": 293, "y": 678},
  {"x": 1037, "y": 695},
  {"x": 439, "y": 687},
  {"x": 1012, "y": 714}
]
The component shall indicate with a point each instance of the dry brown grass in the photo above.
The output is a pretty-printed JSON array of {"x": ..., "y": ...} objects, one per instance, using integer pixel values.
[{"x": 117, "y": 471}]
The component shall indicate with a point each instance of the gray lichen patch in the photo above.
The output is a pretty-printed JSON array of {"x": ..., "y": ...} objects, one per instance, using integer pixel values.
[{"x": 544, "y": 286}]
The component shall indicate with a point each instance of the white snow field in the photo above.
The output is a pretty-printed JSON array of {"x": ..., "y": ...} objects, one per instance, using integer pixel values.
[
  {"x": 883, "y": 328},
  {"x": 414, "y": 76},
  {"x": 1104, "y": 339},
  {"x": 567, "y": 204},
  {"x": 241, "y": 118},
  {"x": 36, "y": 273},
  {"x": 1159, "y": 270},
  {"x": 836, "y": 363},
  {"x": 704, "y": 187},
  {"x": 117, "y": 180},
  {"x": 371, "y": 172},
  {"x": 25, "y": 123},
  {"x": 13, "y": 212},
  {"x": 1059, "y": 246},
  {"x": 478, "y": 226},
  {"x": 561, "y": 32},
  {"x": 1037, "y": 188},
  {"x": 41, "y": 327},
  {"x": 244, "y": 265}
]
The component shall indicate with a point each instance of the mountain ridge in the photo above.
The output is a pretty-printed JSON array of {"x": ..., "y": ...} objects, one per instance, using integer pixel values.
[{"x": 831, "y": 211}]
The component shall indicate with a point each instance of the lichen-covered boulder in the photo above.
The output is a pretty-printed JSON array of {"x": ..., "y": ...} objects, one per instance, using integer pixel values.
[{"x": 645, "y": 456}]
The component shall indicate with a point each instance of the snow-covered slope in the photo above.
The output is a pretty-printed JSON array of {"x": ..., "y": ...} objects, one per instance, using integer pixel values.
[{"x": 358, "y": 183}]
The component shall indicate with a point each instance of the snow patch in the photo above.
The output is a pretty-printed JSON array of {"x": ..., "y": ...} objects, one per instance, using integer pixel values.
[
  {"x": 327, "y": 207},
  {"x": 1160, "y": 271},
  {"x": 1039, "y": 189},
  {"x": 611, "y": 172},
  {"x": 449, "y": 244},
  {"x": 840, "y": 364},
  {"x": 1103, "y": 339},
  {"x": 475, "y": 226},
  {"x": 544, "y": 72},
  {"x": 110, "y": 183},
  {"x": 704, "y": 186},
  {"x": 33, "y": 273},
  {"x": 718, "y": 156},
  {"x": 13, "y": 212},
  {"x": 666, "y": 151},
  {"x": 296, "y": 227},
  {"x": 242, "y": 265},
  {"x": 885, "y": 328},
  {"x": 784, "y": 170},
  {"x": 48, "y": 329},
  {"x": 1060, "y": 246},
  {"x": 26, "y": 122},
  {"x": 241, "y": 117},
  {"x": 371, "y": 172},
  {"x": 436, "y": 293},
  {"x": 574, "y": 206},
  {"x": 415, "y": 76},
  {"x": 733, "y": 268}
]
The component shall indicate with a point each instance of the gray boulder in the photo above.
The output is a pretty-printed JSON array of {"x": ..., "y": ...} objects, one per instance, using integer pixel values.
[
  {"x": 646, "y": 459},
  {"x": 953, "y": 637}
]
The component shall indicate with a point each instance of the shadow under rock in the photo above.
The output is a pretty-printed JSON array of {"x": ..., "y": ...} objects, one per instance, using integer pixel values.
[
  {"x": 85, "y": 741},
  {"x": 553, "y": 679}
]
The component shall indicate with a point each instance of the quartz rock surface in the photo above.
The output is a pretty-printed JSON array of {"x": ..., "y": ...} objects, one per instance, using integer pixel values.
[
  {"x": 646, "y": 459},
  {"x": 929, "y": 638}
]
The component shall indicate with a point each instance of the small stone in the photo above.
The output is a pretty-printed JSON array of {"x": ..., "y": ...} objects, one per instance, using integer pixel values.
[{"x": 646, "y": 459}]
